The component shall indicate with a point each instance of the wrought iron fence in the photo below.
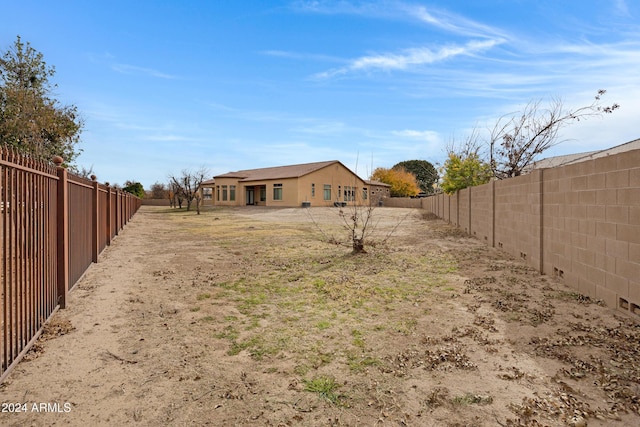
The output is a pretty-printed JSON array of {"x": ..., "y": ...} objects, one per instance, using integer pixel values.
[{"x": 53, "y": 225}]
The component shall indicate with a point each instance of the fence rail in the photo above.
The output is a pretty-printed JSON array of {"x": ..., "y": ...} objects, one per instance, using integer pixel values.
[{"x": 53, "y": 225}]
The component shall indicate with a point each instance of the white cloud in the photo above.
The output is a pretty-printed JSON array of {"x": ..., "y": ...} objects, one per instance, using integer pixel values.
[
  {"x": 399, "y": 10},
  {"x": 426, "y": 135},
  {"x": 453, "y": 23},
  {"x": 301, "y": 56},
  {"x": 322, "y": 128},
  {"x": 409, "y": 58},
  {"x": 140, "y": 71}
]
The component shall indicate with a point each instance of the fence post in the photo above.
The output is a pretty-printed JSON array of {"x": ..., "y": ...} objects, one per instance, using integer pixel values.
[
  {"x": 62, "y": 231},
  {"x": 469, "y": 209},
  {"x": 541, "y": 218},
  {"x": 492, "y": 203},
  {"x": 95, "y": 240},
  {"x": 117, "y": 208},
  {"x": 108, "y": 214}
]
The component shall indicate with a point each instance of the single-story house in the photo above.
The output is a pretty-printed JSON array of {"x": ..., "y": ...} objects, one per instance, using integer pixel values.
[{"x": 310, "y": 184}]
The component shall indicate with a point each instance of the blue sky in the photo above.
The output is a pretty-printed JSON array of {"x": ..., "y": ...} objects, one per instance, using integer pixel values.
[{"x": 229, "y": 85}]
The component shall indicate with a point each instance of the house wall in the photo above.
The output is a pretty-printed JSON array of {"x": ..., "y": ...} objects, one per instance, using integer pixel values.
[
  {"x": 335, "y": 175},
  {"x": 289, "y": 192},
  {"x": 240, "y": 197},
  {"x": 379, "y": 193},
  {"x": 580, "y": 223}
]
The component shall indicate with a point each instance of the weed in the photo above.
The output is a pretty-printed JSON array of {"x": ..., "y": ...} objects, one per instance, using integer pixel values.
[
  {"x": 360, "y": 364},
  {"x": 406, "y": 327},
  {"x": 358, "y": 340},
  {"x": 301, "y": 369},
  {"x": 323, "y": 324},
  {"x": 203, "y": 296},
  {"x": 325, "y": 387},
  {"x": 252, "y": 301},
  {"x": 229, "y": 332},
  {"x": 472, "y": 399},
  {"x": 319, "y": 358}
]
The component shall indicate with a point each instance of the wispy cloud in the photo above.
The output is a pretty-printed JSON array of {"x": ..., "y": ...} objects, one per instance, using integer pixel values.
[
  {"x": 453, "y": 23},
  {"x": 301, "y": 56},
  {"x": 425, "y": 135},
  {"x": 341, "y": 7},
  {"x": 140, "y": 71},
  {"x": 322, "y": 128},
  {"x": 398, "y": 10},
  {"x": 167, "y": 138},
  {"x": 621, "y": 8},
  {"x": 484, "y": 36},
  {"x": 409, "y": 58}
]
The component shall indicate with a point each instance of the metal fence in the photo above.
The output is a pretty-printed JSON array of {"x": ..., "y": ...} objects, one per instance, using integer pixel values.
[{"x": 53, "y": 225}]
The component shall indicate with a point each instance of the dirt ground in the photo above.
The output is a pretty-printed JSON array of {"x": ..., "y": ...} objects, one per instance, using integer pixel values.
[{"x": 248, "y": 317}]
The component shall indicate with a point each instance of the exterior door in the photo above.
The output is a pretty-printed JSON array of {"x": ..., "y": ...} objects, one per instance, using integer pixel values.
[{"x": 250, "y": 196}]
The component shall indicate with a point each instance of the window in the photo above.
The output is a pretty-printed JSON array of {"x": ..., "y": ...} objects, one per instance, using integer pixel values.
[
  {"x": 207, "y": 193},
  {"x": 327, "y": 191},
  {"x": 232, "y": 193},
  {"x": 218, "y": 192},
  {"x": 364, "y": 193},
  {"x": 313, "y": 190},
  {"x": 277, "y": 191},
  {"x": 263, "y": 193},
  {"x": 349, "y": 194},
  {"x": 224, "y": 193}
]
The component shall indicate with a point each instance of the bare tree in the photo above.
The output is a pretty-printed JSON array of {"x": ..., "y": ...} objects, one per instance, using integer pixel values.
[
  {"x": 187, "y": 186},
  {"x": 518, "y": 139},
  {"x": 158, "y": 191},
  {"x": 175, "y": 194},
  {"x": 357, "y": 220},
  {"x": 82, "y": 171}
]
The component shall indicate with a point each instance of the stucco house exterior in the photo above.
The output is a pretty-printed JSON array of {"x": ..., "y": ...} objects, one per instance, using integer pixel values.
[{"x": 311, "y": 184}]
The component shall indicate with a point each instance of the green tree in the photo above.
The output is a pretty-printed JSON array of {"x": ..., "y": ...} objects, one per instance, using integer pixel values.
[
  {"x": 462, "y": 172},
  {"x": 30, "y": 118},
  {"x": 425, "y": 173},
  {"x": 403, "y": 183},
  {"x": 134, "y": 188}
]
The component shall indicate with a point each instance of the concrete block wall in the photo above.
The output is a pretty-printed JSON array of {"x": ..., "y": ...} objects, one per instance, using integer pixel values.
[
  {"x": 517, "y": 217},
  {"x": 482, "y": 203},
  {"x": 453, "y": 210},
  {"x": 464, "y": 210},
  {"x": 402, "y": 202},
  {"x": 580, "y": 223},
  {"x": 592, "y": 228}
]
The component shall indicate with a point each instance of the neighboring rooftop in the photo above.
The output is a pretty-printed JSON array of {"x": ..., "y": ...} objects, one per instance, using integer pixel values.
[
  {"x": 552, "y": 162},
  {"x": 378, "y": 183},
  {"x": 278, "y": 172}
]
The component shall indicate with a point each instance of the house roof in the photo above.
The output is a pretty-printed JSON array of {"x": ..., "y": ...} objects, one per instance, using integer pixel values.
[
  {"x": 278, "y": 172},
  {"x": 377, "y": 183},
  {"x": 568, "y": 159}
]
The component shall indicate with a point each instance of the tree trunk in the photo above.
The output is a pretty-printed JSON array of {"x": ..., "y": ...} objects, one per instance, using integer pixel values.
[{"x": 358, "y": 246}]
